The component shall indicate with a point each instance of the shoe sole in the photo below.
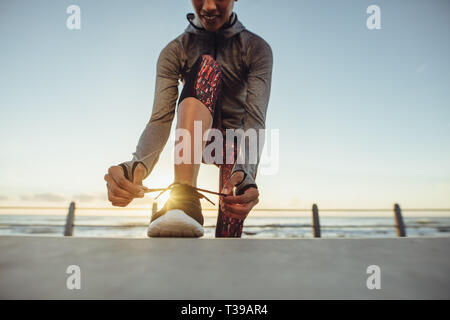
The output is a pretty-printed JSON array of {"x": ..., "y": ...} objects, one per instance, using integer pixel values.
[{"x": 175, "y": 223}]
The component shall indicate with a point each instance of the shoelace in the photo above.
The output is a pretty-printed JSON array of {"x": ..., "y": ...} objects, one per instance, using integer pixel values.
[{"x": 200, "y": 195}]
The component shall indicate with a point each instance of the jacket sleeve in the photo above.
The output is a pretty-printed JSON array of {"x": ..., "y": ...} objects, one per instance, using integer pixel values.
[
  {"x": 157, "y": 131},
  {"x": 260, "y": 61}
]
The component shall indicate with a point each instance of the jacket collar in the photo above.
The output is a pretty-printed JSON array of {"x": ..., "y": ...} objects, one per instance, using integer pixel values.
[{"x": 233, "y": 27}]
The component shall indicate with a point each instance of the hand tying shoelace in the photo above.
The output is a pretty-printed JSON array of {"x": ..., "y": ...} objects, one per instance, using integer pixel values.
[{"x": 200, "y": 195}]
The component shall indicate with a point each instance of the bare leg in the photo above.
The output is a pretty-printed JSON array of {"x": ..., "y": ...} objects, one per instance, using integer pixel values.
[{"x": 190, "y": 110}]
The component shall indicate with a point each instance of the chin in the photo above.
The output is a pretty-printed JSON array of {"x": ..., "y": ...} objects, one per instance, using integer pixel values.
[{"x": 211, "y": 29}]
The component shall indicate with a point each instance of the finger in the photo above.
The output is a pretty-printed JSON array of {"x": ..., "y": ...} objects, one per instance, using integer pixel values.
[
  {"x": 226, "y": 210},
  {"x": 232, "y": 181},
  {"x": 117, "y": 173},
  {"x": 232, "y": 213},
  {"x": 120, "y": 204},
  {"x": 123, "y": 183},
  {"x": 236, "y": 216},
  {"x": 250, "y": 195},
  {"x": 119, "y": 192},
  {"x": 111, "y": 185},
  {"x": 114, "y": 199},
  {"x": 240, "y": 210},
  {"x": 228, "y": 187},
  {"x": 138, "y": 175}
]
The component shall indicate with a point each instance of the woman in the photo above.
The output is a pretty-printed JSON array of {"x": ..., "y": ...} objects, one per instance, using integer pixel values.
[{"x": 226, "y": 71}]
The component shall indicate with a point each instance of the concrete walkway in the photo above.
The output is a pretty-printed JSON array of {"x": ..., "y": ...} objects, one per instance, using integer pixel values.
[{"x": 411, "y": 268}]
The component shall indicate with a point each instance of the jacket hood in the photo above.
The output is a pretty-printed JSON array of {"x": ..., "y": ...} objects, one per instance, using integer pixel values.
[{"x": 233, "y": 27}]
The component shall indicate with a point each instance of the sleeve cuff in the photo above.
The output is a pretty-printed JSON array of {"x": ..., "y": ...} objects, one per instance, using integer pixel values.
[
  {"x": 128, "y": 169},
  {"x": 247, "y": 182}
]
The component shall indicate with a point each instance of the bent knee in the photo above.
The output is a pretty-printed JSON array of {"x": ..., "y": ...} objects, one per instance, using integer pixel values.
[{"x": 204, "y": 82}]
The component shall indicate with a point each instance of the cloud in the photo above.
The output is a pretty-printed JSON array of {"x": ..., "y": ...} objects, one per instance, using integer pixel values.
[
  {"x": 44, "y": 197},
  {"x": 95, "y": 197},
  {"x": 85, "y": 197},
  {"x": 4, "y": 198}
]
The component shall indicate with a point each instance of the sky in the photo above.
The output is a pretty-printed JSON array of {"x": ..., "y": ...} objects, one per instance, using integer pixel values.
[{"x": 363, "y": 115}]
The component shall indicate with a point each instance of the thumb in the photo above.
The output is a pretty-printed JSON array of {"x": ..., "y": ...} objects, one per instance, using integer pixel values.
[
  {"x": 232, "y": 181},
  {"x": 138, "y": 175}
]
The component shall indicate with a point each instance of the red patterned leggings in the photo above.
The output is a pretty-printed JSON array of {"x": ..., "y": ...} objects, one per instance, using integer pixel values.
[
  {"x": 204, "y": 82},
  {"x": 227, "y": 226}
]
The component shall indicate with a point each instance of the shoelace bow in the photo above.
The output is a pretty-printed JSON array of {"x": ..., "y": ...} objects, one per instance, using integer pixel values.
[{"x": 170, "y": 187}]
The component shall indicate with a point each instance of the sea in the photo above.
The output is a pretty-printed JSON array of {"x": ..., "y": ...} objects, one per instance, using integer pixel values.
[{"x": 268, "y": 225}]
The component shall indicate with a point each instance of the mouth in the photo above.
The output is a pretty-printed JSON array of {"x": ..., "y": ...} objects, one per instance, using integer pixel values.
[{"x": 210, "y": 19}]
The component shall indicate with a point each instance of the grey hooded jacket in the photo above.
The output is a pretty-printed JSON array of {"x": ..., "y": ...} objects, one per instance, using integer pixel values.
[{"x": 245, "y": 60}]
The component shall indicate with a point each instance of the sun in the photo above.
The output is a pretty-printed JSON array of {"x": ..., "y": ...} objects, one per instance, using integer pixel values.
[{"x": 162, "y": 198}]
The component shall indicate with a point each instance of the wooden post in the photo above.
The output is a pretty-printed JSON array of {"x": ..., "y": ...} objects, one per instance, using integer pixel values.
[
  {"x": 399, "y": 225},
  {"x": 315, "y": 221},
  {"x": 154, "y": 207},
  {"x": 68, "y": 230}
]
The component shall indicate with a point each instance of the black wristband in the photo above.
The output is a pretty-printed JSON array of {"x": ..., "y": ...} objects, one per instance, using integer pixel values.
[
  {"x": 135, "y": 165},
  {"x": 243, "y": 179},
  {"x": 241, "y": 191},
  {"x": 125, "y": 171}
]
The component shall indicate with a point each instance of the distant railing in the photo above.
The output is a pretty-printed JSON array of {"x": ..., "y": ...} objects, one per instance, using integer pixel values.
[{"x": 316, "y": 228}]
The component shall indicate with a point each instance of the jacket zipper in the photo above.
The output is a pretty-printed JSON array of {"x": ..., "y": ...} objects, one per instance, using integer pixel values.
[{"x": 215, "y": 46}]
